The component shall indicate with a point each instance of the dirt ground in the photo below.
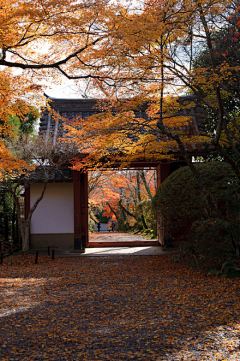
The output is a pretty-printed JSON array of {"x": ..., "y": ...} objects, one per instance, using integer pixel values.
[{"x": 115, "y": 308}]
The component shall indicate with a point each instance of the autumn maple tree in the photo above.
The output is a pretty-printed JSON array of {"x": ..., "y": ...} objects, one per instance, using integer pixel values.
[
  {"x": 142, "y": 53},
  {"x": 144, "y": 66},
  {"x": 33, "y": 35},
  {"x": 124, "y": 195}
]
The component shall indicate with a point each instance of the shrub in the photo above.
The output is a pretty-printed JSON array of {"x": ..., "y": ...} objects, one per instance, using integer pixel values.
[
  {"x": 180, "y": 199},
  {"x": 91, "y": 225},
  {"x": 210, "y": 244},
  {"x": 210, "y": 237}
]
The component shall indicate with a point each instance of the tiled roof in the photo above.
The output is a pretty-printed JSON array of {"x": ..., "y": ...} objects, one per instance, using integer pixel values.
[
  {"x": 64, "y": 174},
  {"x": 71, "y": 108}
]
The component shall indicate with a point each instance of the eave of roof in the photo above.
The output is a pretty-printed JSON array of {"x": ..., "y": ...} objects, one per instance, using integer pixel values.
[{"x": 85, "y": 107}]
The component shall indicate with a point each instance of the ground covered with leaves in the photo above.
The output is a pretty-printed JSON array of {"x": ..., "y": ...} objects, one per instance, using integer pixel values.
[{"x": 116, "y": 308}]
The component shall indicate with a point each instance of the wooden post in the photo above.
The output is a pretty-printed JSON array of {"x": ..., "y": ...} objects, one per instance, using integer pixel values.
[
  {"x": 53, "y": 254},
  {"x": 27, "y": 207},
  {"x": 36, "y": 258},
  {"x": 163, "y": 171},
  {"x": 80, "y": 186}
]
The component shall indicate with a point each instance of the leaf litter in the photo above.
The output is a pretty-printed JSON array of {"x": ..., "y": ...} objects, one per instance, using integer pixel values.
[{"x": 138, "y": 308}]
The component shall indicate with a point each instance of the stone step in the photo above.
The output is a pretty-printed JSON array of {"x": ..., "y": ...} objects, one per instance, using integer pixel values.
[{"x": 125, "y": 243}]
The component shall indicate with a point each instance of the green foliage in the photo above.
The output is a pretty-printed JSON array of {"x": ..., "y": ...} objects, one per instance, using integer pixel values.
[
  {"x": 6, "y": 212},
  {"x": 229, "y": 270},
  {"x": 91, "y": 222},
  {"x": 91, "y": 225},
  {"x": 145, "y": 208},
  {"x": 122, "y": 226},
  {"x": 27, "y": 123},
  {"x": 101, "y": 218},
  {"x": 225, "y": 43},
  {"x": 209, "y": 245},
  {"x": 209, "y": 242},
  {"x": 24, "y": 124},
  {"x": 148, "y": 233},
  {"x": 180, "y": 198},
  {"x": 226, "y": 50}
]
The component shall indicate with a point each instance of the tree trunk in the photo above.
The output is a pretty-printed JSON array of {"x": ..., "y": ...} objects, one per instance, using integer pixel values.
[
  {"x": 24, "y": 225},
  {"x": 6, "y": 233},
  {"x": 142, "y": 175},
  {"x": 26, "y": 235},
  {"x": 24, "y": 228},
  {"x": 144, "y": 222}
]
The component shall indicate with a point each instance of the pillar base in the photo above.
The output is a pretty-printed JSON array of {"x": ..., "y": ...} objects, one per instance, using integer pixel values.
[{"x": 79, "y": 243}]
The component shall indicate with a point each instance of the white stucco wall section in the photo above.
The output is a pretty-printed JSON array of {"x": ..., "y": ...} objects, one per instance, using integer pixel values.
[{"x": 55, "y": 212}]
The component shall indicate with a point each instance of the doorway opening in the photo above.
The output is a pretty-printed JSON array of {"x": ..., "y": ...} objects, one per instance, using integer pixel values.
[
  {"x": 120, "y": 207},
  {"x": 81, "y": 209}
]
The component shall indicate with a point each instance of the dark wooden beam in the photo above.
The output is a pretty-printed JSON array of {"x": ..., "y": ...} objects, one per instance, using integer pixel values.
[
  {"x": 163, "y": 171},
  {"x": 80, "y": 191}
]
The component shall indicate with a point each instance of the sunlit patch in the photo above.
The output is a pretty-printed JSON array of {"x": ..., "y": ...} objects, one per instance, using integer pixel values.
[
  {"x": 6, "y": 312},
  {"x": 220, "y": 343},
  {"x": 20, "y": 294}
]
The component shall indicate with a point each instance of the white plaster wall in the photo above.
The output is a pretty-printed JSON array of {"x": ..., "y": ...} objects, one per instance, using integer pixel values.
[{"x": 55, "y": 212}]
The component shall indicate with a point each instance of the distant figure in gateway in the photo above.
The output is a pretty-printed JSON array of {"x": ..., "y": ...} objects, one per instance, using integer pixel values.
[
  {"x": 109, "y": 227},
  {"x": 112, "y": 226}
]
